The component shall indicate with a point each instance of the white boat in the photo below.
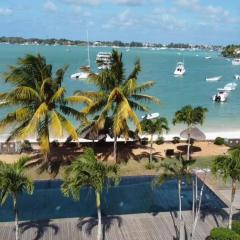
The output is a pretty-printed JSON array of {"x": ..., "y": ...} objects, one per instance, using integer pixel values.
[
  {"x": 230, "y": 86},
  {"x": 237, "y": 77},
  {"x": 104, "y": 66},
  {"x": 213, "y": 79},
  {"x": 236, "y": 62},
  {"x": 151, "y": 116},
  {"x": 208, "y": 57},
  {"x": 103, "y": 57},
  {"x": 84, "y": 71},
  {"x": 180, "y": 69},
  {"x": 221, "y": 95}
]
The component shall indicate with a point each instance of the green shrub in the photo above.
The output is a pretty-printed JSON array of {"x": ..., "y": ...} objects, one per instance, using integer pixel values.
[
  {"x": 236, "y": 227},
  {"x": 223, "y": 234},
  {"x": 160, "y": 141},
  {"x": 219, "y": 141},
  {"x": 26, "y": 146},
  {"x": 149, "y": 166},
  {"x": 176, "y": 140},
  {"x": 55, "y": 143},
  {"x": 144, "y": 141}
]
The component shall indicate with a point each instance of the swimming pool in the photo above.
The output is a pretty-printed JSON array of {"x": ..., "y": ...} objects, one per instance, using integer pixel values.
[{"x": 132, "y": 195}]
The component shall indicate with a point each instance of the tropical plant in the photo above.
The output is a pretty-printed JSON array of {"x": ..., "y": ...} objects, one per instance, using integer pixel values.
[
  {"x": 118, "y": 97},
  {"x": 228, "y": 166},
  {"x": 180, "y": 169},
  {"x": 190, "y": 116},
  {"x": 219, "y": 141},
  {"x": 38, "y": 98},
  {"x": 223, "y": 234},
  {"x": 13, "y": 181},
  {"x": 88, "y": 171},
  {"x": 151, "y": 127}
]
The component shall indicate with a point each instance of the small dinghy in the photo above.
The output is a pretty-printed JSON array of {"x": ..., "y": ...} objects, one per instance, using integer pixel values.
[
  {"x": 150, "y": 116},
  {"x": 230, "y": 86},
  {"x": 213, "y": 79}
]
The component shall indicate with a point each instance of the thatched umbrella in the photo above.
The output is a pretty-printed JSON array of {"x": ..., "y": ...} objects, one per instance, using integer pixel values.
[
  {"x": 194, "y": 133},
  {"x": 89, "y": 132}
]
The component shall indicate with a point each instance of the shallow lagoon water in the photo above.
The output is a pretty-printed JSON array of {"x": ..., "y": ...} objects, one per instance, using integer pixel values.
[{"x": 158, "y": 65}]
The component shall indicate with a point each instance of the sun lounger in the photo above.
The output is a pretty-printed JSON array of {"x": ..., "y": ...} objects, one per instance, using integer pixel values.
[{"x": 233, "y": 142}]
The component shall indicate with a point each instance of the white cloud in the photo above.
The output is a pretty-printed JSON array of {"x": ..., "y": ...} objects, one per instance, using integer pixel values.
[
  {"x": 124, "y": 19},
  {"x": 209, "y": 15},
  {"x": 129, "y": 2},
  {"x": 5, "y": 11},
  {"x": 166, "y": 19},
  {"x": 83, "y": 2},
  {"x": 50, "y": 6}
]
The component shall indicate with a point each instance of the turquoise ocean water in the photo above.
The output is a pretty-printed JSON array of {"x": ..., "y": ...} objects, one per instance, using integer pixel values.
[{"x": 158, "y": 65}]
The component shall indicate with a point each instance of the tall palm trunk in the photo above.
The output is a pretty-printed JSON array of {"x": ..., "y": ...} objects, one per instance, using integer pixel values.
[
  {"x": 181, "y": 226},
  {"x": 188, "y": 147},
  {"x": 198, "y": 208},
  {"x": 98, "y": 202},
  {"x": 16, "y": 216},
  {"x": 231, "y": 205},
  {"x": 151, "y": 145},
  {"x": 115, "y": 149}
]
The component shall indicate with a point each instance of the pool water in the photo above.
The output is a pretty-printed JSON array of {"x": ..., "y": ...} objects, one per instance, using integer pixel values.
[{"x": 132, "y": 195}]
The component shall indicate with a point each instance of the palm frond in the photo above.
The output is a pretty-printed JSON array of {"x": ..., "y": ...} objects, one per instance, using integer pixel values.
[
  {"x": 78, "y": 99},
  {"x": 144, "y": 97}
]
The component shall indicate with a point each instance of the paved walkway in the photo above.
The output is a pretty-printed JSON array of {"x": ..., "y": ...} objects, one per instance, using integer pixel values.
[{"x": 161, "y": 226}]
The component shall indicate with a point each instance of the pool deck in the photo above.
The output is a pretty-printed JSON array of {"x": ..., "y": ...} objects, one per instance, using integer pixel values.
[{"x": 147, "y": 226}]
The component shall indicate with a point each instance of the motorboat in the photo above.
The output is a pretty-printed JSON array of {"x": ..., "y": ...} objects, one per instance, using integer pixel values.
[
  {"x": 103, "y": 58},
  {"x": 237, "y": 77},
  {"x": 221, "y": 95},
  {"x": 236, "y": 62},
  {"x": 180, "y": 69},
  {"x": 104, "y": 66},
  {"x": 230, "y": 86},
  {"x": 150, "y": 116},
  {"x": 208, "y": 57},
  {"x": 84, "y": 71},
  {"x": 82, "y": 74},
  {"x": 213, "y": 79}
]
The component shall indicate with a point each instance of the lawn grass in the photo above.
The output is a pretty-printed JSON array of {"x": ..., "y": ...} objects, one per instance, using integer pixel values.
[{"x": 130, "y": 168}]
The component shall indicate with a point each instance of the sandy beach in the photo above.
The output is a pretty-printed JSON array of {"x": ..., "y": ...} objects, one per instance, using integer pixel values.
[{"x": 126, "y": 151}]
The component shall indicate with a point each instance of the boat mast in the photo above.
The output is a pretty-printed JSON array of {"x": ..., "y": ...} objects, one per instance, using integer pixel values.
[{"x": 88, "y": 50}]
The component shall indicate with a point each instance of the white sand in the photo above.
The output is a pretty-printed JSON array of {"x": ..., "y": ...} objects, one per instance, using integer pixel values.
[{"x": 209, "y": 136}]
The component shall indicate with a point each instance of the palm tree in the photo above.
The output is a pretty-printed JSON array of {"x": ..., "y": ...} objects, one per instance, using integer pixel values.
[
  {"x": 190, "y": 116},
  {"x": 39, "y": 102},
  {"x": 180, "y": 169},
  {"x": 151, "y": 127},
  {"x": 228, "y": 166},
  {"x": 117, "y": 97},
  {"x": 12, "y": 182},
  {"x": 88, "y": 171}
]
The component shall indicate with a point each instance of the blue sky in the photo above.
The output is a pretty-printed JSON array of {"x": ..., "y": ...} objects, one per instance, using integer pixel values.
[{"x": 164, "y": 21}]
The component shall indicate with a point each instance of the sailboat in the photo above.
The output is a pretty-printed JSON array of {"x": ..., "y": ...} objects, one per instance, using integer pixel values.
[{"x": 84, "y": 71}]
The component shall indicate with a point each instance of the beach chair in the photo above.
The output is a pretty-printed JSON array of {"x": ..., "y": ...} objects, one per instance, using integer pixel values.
[
  {"x": 4, "y": 148},
  {"x": 233, "y": 142}
]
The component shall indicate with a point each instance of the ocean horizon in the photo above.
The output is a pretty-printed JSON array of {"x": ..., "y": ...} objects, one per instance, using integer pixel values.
[{"x": 157, "y": 65}]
